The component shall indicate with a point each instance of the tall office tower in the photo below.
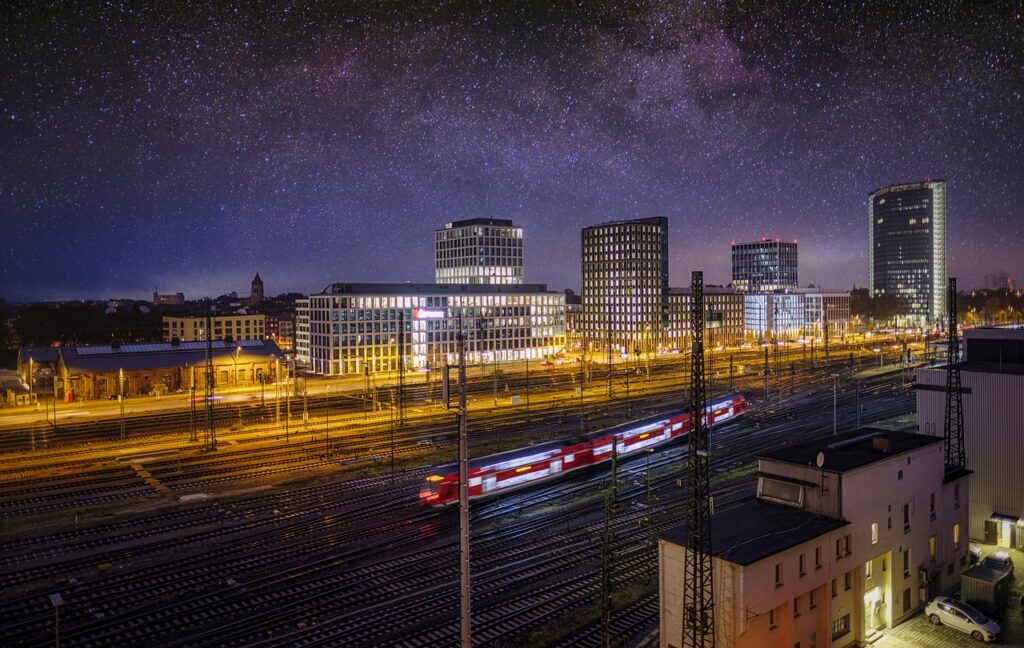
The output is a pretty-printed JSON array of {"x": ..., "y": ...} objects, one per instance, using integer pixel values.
[
  {"x": 907, "y": 247},
  {"x": 625, "y": 281},
  {"x": 764, "y": 266},
  {"x": 479, "y": 251}
]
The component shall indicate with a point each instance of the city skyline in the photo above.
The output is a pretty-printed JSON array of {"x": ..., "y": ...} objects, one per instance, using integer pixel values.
[{"x": 318, "y": 146}]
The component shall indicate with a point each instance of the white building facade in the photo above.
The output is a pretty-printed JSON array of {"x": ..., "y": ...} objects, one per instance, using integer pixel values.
[
  {"x": 992, "y": 380},
  {"x": 357, "y": 329},
  {"x": 848, "y": 536}
]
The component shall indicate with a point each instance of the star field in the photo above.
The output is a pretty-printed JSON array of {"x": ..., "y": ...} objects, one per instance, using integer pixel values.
[{"x": 187, "y": 146}]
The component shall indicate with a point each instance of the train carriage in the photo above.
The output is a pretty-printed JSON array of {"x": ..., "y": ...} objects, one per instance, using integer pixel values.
[{"x": 522, "y": 467}]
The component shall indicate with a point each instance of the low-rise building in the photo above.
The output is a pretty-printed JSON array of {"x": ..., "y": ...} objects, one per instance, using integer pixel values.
[
  {"x": 172, "y": 299},
  {"x": 235, "y": 326},
  {"x": 992, "y": 380},
  {"x": 355, "y": 328},
  {"x": 849, "y": 535},
  {"x": 281, "y": 329},
  {"x": 102, "y": 371},
  {"x": 723, "y": 308}
]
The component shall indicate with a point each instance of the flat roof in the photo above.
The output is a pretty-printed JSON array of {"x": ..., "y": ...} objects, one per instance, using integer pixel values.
[
  {"x": 757, "y": 529},
  {"x": 479, "y": 221},
  {"x": 652, "y": 220},
  {"x": 432, "y": 289},
  {"x": 851, "y": 450},
  {"x": 708, "y": 290}
]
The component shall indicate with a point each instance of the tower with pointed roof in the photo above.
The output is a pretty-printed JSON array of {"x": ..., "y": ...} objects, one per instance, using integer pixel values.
[{"x": 256, "y": 295}]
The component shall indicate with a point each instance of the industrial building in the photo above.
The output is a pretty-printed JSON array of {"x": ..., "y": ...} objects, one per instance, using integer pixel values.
[
  {"x": 849, "y": 535},
  {"x": 356, "y": 328},
  {"x": 479, "y": 251},
  {"x": 992, "y": 383},
  {"x": 625, "y": 280},
  {"x": 102, "y": 371},
  {"x": 764, "y": 266},
  {"x": 907, "y": 247}
]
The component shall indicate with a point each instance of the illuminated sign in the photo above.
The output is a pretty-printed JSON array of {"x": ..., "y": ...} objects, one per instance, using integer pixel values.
[{"x": 426, "y": 313}]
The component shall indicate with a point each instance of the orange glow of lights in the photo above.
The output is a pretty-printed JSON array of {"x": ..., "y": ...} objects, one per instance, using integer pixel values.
[
  {"x": 523, "y": 468},
  {"x": 435, "y": 478},
  {"x": 645, "y": 435}
]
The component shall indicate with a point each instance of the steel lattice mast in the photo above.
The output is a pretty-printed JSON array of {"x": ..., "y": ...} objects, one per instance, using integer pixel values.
[
  {"x": 210, "y": 436},
  {"x": 698, "y": 592},
  {"x": 953, "y": 430}
]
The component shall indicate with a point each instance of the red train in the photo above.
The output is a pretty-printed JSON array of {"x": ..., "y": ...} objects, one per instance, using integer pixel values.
[{"x": 517, "y": 468}]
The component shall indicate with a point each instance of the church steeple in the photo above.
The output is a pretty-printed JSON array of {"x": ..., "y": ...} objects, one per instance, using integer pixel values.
[{"x": 256, "y": 295}]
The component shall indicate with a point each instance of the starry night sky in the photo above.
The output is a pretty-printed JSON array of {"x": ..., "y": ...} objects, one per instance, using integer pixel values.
[{"x": 189, "y": 147}]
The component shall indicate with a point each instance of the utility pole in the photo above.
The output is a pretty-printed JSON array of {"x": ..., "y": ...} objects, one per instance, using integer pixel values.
[
  {"x": 698, "y": 592},
  {"x": 732, "y": 382},
  {"x": 856, "y": 393},
  {"x": 528, "y": 385},
  {"x": 627, "y": 393},
  {"x": 608, "y": 320},
  {"x": 210, "y": 436},
  {"x": 401, "y": 368},
  {"x": 466, "y": 617},
  {"x": 606, "y": 569},
  {"x": 650, "y": 513},
  {"x": 194, "y": 435},
  {"x": 327, "y": 423},
  {"x": 766, "y": 373},
  {"x": 824, "y": 317},
  {"x": 835, "y": 401},
  {"x": 277, "y": 390},
  {"x": 953, "y": 429},
  {"x": 583, "y": 364}
]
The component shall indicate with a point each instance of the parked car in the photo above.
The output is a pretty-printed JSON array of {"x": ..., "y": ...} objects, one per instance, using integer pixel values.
[
  {"x": 999, "y": 561},
  {"x": 961, "y": 616}
]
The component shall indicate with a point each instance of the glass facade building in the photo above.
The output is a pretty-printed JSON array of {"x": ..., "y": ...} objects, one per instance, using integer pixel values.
[
  {"x": 625, "y": 281},
  {"x": 764, "y": 266},
  {"x": 355, "y": 328},
  {"x": 724, "y": 314},
  {"x": 907, "y": 247},
  {"x": 479, "y": 251}
]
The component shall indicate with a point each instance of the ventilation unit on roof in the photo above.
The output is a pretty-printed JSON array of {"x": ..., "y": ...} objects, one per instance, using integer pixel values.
[{"x": 845, "y": 443}]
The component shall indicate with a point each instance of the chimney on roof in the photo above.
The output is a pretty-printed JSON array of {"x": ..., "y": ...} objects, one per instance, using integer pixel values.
[{"x": 881, "y": 444}]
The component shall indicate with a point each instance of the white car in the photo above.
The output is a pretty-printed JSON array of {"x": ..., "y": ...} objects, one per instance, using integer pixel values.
[{"x": 962, "y": 617}]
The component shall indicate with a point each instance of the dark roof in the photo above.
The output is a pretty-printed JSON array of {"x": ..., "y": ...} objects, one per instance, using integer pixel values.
[
  {"x": 654, "y": 220},
  {"x": 38, "y": 354},
  {"x": 756, "y": 530},
  {"x": 480, "y": 221},
  {"x": 158, "y": 354},
  {"x": 430, "y": 289},
  {"x": 851, "y": 450}
]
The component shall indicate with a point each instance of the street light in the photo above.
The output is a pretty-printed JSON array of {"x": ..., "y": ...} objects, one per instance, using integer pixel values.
[{"x": 57, "y": 601}]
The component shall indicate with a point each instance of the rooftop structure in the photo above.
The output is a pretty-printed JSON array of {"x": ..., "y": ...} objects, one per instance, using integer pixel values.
[
  {"x": 764, "y": 266},
  {"x": 479, "y": 251}
]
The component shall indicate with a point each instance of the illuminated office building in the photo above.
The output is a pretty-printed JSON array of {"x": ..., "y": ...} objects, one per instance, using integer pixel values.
[
  {"x": 625, "y": 281},
  {"x": 479, "y": 251},
  {"x": 724, "y": 314},
  {"x": 907, "y": 247},
  {"x": 764, "y": 266},
  {"x": 355, "y": 328}
]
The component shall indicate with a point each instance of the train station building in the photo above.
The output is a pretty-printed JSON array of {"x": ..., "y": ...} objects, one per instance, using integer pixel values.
[
  {"x": 849, "y": 535},
  {"x": 992, "y": 380}
]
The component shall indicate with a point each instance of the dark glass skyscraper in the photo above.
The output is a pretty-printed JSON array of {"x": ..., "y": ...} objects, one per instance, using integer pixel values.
[
  {"x": 907, "y": 247},
  {"x": 625, "y": 281},
  {"x": 764, "y": 266}
]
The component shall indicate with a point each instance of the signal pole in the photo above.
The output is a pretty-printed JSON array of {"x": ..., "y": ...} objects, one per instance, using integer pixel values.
[
  {"x": 698, "y": 592},
  {"x": 766, "y": 373},
  {"x": 606, "y": 570},
  {"x": 401, "y": 368},
  {"x": 464, "y": 591}
]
